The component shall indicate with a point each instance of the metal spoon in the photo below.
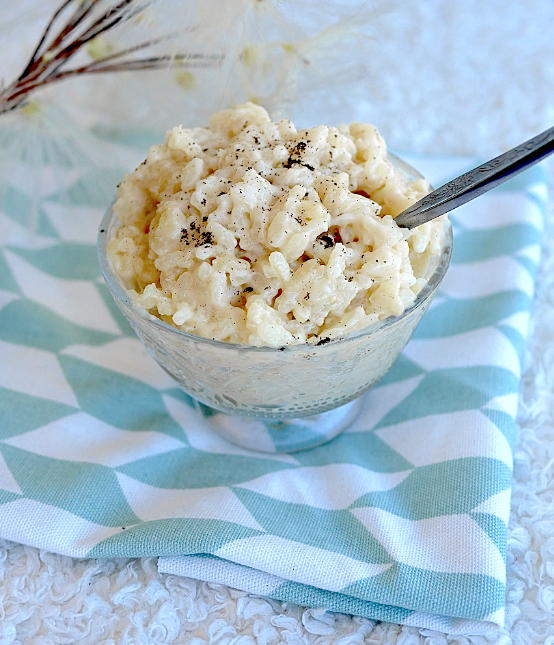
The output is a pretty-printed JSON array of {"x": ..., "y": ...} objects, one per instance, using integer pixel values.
[{"x": 478, "y": 181}]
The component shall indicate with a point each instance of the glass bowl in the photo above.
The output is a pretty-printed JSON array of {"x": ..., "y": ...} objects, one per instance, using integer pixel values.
[{"x": 276, "y": 400}]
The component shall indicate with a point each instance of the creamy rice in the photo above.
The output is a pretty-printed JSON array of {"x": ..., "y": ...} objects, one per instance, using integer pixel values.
[{"x": 252, "y": 232}]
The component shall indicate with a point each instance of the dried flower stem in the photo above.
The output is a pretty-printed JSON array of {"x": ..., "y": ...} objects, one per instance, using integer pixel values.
[{"x": 87, "y": 20}]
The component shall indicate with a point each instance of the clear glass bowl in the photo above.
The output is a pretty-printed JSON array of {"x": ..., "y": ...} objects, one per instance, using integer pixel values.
[{"x": 276, "y": 400}]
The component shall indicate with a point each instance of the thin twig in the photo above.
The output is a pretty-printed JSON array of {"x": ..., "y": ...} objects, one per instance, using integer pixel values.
[
  {"x": 56, "y": 48},
  {"x": 100, "y": 26},
  {"x": 59, "y": 51},
  {"x": 45, "y": 33},
  {"x": 19, "y": 94},
  {"x": 79, "y": 15}
]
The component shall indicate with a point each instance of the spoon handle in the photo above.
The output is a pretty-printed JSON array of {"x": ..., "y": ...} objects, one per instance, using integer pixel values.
[{"x": 478, "y": 181}]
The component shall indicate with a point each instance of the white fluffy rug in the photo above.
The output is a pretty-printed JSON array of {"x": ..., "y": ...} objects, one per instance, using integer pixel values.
[{"x": 485, "y": 73}]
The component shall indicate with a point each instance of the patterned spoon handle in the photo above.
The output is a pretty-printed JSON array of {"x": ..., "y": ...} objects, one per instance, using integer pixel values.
[{"x": 478, "y": 181}]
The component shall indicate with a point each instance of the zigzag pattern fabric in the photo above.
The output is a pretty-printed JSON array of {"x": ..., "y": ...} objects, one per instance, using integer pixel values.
[{"x": 402, "y": 518}]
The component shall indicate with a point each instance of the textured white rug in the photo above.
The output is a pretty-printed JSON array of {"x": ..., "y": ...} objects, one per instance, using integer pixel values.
[{"x": 467, "y": 78}]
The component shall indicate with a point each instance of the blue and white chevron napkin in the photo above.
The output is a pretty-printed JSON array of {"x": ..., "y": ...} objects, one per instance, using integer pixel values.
[{"x": 402, "y": 518}]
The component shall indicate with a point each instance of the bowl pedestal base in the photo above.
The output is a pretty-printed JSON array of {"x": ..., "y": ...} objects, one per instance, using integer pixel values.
[{"x": 283, "y": 435}]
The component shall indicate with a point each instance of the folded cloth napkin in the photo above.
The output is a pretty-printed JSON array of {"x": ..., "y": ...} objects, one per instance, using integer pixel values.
[{"x": 402, "y": 518}]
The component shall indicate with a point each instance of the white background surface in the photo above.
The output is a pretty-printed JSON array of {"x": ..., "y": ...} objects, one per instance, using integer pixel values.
[{"x": 442, "y": 76}]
